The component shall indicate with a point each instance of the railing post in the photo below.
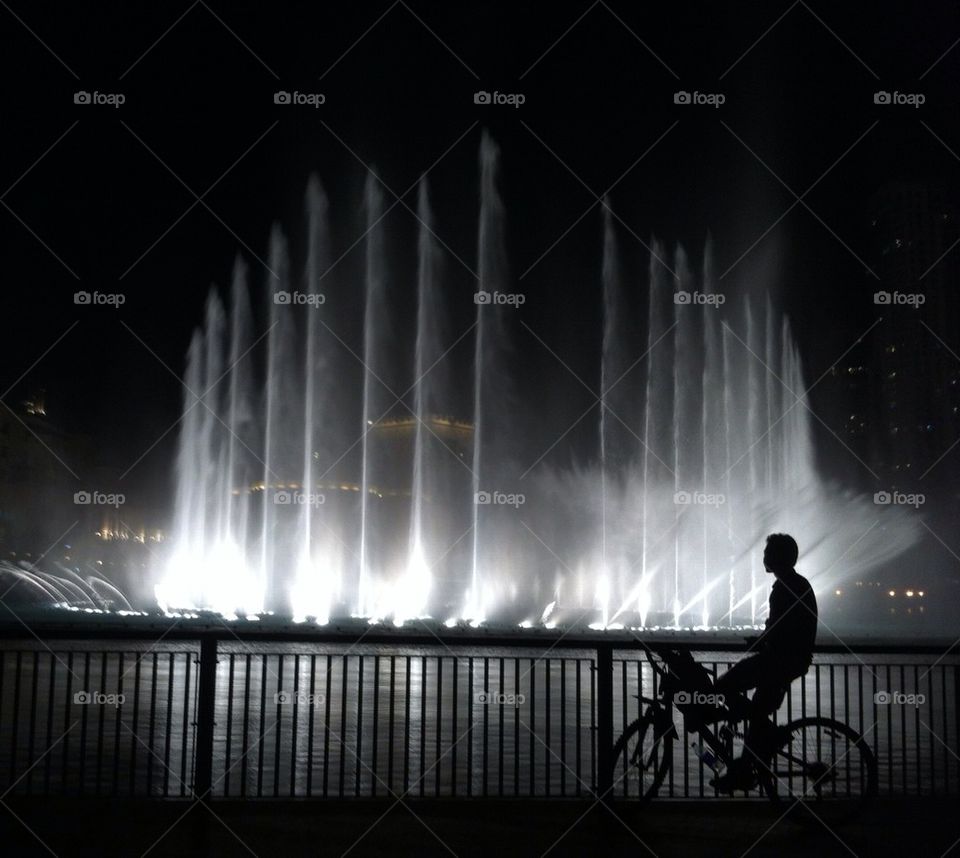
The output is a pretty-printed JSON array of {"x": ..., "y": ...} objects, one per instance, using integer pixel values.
[
  {"x": 956, "y": 715},
  {"x": 605, "y": 722},
  {"x": 206, "y": 704}
]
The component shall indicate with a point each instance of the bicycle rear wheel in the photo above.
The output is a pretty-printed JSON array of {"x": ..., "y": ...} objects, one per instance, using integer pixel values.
[
  {"x": 642, "y": 755},
  {"x": 822, "y": 765}
]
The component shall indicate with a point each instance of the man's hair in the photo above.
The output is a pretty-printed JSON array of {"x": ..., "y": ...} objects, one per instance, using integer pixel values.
[{"x": 781, "y": 551}]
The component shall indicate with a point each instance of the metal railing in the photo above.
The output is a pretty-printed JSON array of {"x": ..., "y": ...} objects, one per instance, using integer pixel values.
[{"x": 235, "y": 713}]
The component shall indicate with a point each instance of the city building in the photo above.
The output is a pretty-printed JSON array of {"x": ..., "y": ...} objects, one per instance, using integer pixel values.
[{"x": 914, "y": 358}]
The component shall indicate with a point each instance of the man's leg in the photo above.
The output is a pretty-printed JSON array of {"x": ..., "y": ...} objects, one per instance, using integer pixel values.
[
  {"x": 758, "y": 740},
  {"x": 771, "y": 689},
  {"x": 744, "y": 675}
]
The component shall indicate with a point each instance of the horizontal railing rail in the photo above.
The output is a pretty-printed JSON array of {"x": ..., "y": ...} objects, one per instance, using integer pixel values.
[{"x": 228, "y": 711}]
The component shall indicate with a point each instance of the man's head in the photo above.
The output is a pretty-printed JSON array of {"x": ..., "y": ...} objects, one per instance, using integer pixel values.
[{"x": 780, "y": 554}]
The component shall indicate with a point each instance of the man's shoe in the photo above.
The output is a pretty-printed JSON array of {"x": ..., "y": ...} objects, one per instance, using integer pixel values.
[{"x": 739, "y": 776}]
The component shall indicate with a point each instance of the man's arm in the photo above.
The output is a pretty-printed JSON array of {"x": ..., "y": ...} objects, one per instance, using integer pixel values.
[
  {"x": 755, "y": 642},
  {"x": 776, "y": 611}
]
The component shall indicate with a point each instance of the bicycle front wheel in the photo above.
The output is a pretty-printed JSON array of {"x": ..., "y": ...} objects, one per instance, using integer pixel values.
[
  {"x": 642, "y": 755},
  {"x": 822, "y": 764}
]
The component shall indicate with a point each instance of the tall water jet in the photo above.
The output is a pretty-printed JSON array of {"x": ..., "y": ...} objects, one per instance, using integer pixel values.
[
  {"x": 317, "y": 580},
  {"x": 615, "y": 395},
  {"x": 657, "y": 433},
  {"x": 242, "y": 436},
  {"x": 283, "y": 443},
  {"x": 428, "y": 389},
  {"x": 491, "y": 385},
  {"x": 713, "y": 420},
  {"x": 382, "y": 548},
  {"x": 687, "y": 444}
]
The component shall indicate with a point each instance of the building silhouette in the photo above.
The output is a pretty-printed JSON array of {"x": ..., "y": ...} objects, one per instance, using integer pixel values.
[{"x": 915, "y": 367}]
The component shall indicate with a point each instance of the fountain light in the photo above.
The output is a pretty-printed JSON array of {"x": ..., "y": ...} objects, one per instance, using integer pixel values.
[
  {"x": 236, "y": 552},
  {"x": 412, "y": 591}
]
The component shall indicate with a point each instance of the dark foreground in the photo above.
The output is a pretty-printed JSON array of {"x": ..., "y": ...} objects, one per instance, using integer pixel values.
[{"x": 99, "y": 827}]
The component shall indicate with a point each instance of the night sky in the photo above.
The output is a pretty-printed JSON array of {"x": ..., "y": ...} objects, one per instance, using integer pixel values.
[{"x": 104, "y": 198}]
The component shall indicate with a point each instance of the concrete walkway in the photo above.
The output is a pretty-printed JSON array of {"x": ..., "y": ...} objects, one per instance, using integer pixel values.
[{"x": 492, "y": 829}]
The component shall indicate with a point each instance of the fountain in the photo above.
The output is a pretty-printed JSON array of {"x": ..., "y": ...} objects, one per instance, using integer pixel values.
[
  {"x": 304, "y": 494},
  {"x": 64, "y": 588}
]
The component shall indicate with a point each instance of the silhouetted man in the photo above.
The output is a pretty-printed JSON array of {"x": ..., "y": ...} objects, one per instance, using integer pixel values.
[{"x": 783, "y": 652}]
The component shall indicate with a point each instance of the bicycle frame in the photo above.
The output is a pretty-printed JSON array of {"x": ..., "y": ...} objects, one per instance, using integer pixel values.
[{"x": 721, "y": 745}]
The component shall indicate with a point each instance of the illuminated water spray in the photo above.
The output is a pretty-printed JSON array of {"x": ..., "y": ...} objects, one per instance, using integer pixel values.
[{"x": 322, "y": 477}]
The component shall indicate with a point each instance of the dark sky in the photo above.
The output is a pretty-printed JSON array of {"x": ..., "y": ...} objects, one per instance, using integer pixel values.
[{"x": 100, "y": 197}]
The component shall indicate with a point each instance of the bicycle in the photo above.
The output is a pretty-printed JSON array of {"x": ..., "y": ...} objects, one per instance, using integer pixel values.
[{"x": 816, "y": 761}]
